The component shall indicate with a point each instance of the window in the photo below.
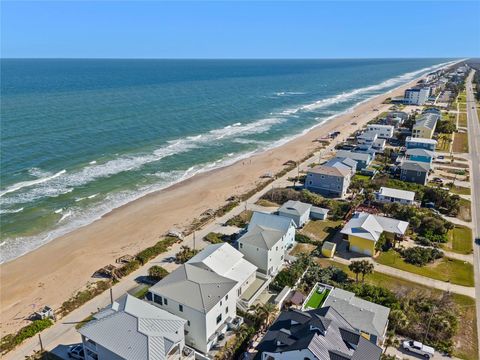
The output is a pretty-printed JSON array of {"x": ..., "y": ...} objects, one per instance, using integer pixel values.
[
  {"x": 226, "y": 297},
  {"x": 226, "y": 310},
  {"x": 220, "y": 302},
  {"x": 241, "y": 246},
  {"x": 180, "y": 307},
  {"x": 188, "y": 322},
  {"x": 322, "y": 176},
  {"x": 165, "y": 301},
  {"x": 158, "y": 299},
  {"x": 219, "y": 318},
  {"x": 310, "y": 182},
  {"x": 149, "y": 296}
]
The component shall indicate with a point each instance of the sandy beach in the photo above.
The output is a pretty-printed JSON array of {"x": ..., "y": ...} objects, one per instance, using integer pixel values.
[{"x": 55, "y": 271}]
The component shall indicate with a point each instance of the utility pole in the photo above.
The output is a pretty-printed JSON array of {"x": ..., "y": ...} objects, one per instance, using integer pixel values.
[
  {"x": 429, "y": 321},
  {"x": 194, "y": 240},
  {"x": 111, "y": 296},
  {"x": 41, "y": 343}
]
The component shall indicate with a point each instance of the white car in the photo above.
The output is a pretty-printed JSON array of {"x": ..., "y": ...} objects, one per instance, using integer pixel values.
[{"x": 418, "y": 348}]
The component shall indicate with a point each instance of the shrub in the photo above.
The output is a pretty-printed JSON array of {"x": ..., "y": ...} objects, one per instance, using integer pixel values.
[
  {"x": 9, "y": 342},
  {"x": 241, "y": 220},
  {"x": 290, "y": 275},
  {"x": 153, "y": 251},
  {"x": 304, "y": 239},
  {"x": 185, "y": 254},
  {"x": 420, "y": 256},
  {"x": 83, "y": 296},
  {"x": 157, "y": 272},
  {"x": 128, "y": 268},
  {"x": 214, "y": 238}
]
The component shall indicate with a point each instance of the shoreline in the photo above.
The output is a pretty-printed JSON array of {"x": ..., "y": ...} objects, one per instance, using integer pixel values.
[{"x": 33, "y": 278}]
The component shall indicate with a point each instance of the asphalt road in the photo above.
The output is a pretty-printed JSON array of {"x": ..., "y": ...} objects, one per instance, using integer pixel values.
[{"x": 474, "y": 146}]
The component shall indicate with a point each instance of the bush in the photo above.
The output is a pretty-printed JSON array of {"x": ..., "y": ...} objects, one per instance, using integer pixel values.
[
  {"x": 241, "y": 220},
  {"x": 290, "y": 275},
  {"x": 128, "y": 268},
  {"x": 421, "y": 256},
  {"x": 153, "y": 251},
  {"x": 185, "y": 254},
  {"x": 9, "y": 342},
  {"x": 157, "y": 272},
  {"x": 304, "y": 239},
  {"x": 83, "y": 296}
]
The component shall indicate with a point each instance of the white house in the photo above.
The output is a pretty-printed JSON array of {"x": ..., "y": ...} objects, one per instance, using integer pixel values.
[
  {"x": 301, "y": 212},
  {"x": 382, "y": 131},
  {"x": 266, "y": 241},
  {"x": 205, "y": 299},
  {"x": 387, "y": 195},
  {"x": 131, "y": 328}
]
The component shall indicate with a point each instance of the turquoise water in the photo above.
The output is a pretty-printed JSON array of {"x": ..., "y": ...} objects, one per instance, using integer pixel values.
[{"x": 81, "y": 137}]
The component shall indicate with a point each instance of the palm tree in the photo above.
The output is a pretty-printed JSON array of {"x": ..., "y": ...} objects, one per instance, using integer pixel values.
[
  {"x": 398, "y": 320},
  {"x": 356, "y": 268},
  {"x": 265, "y": 313},
  {"x": 390, "y": 341},
  {"x": 366, "y": 268}
]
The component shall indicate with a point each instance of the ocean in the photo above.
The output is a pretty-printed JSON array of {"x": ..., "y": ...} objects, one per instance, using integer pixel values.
[{"x": 82, "y": 137}]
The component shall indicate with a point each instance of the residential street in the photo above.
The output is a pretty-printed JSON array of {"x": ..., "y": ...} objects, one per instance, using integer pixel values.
[{"x": 474, "y": 145}]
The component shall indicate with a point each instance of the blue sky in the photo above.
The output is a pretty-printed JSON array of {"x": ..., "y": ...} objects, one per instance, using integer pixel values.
[{"x": 158, "y": 29}]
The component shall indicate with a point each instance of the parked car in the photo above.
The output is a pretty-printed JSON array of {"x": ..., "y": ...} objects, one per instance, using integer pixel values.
[
  {"x": 76, "y": 352},
  {"x": 418, "y": 348}
]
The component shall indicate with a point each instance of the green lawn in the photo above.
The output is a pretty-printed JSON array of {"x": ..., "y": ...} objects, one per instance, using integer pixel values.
[
  {"x": 446, "y": 269},
  {"x": 321, "y": 230},
  {"x": 459, "y": 240},
  {"x": 317, "y": 299},
  {"x": 462, "y": 119},
  {"x": 361, "y": 177},
  {"x": 460, "y": 143},
  {"x": 460, "y": 190},
  {"x": 466, "y": 339}
]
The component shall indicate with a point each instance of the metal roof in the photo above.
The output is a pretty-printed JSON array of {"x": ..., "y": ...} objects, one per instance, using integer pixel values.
[
  {"x": 427, "y": 120},
  {"x": 329, "y": 170},
  {"x": 135, "y": 330},
  {"x": 415, "y": 166},
  {"x": 262, "y": 237},
  {"x": 420, "y": 140},
  {"x": 420, "y": 152},
  {"x": 354, "y": 155}
]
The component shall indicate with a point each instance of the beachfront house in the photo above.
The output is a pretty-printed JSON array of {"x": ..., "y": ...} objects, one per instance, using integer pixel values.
[
  {"x": 363, "y": 159},
  {"x": 416, "y": 95},
  {"x": 342, "y": 162},
  {"x": 420, "y": 155},
  {"x": 420, "y": 143},
  {"x": 382, "y": 131},
  {"x": 329, "y": 180},
  {"x": 131, "y": 328},
  {"x": 223, "y": 259},
  {"x": 367, "y": 138},
  {"x": 425, "y": 126},
  {"x": 363, "y": 231},
  {"x": 205, "y": 299},
  {"x": 414, "y": 171},
  {"x": 390, "y": 195},
  {"x": 317, "y": 334},
  {"x": 301, "y": 212},
  {"x": 366, "y": 317},
  {"x": 267, "y": 240}
]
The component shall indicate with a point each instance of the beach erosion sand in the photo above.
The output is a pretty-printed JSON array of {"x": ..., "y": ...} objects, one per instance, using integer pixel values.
[{"x": 54, "y": 272}]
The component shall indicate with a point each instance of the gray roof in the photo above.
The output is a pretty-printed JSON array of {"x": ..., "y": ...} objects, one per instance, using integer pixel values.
[
  {"x": 354, "y": 155},
  {"x": 322, "y": 331},
  {"x": 415, "y": 166},
  {"x": 195, "y": 287},
  {"x": 134, "y": 329},
  {"x": 361, "y": 314},
  {"x": 271, "y": 221},
  {"x": 295, "y": 208},
  {"x": 343, "y": 162},
  {"x": 319, "y": 210},
  {"x": 262, "y": 237},
  {"x": 370, "y": 227},
  {"x": 428, "y": 120},
  {"x": 420, "y": 152},
  {"x": 330, "y": 170}
]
